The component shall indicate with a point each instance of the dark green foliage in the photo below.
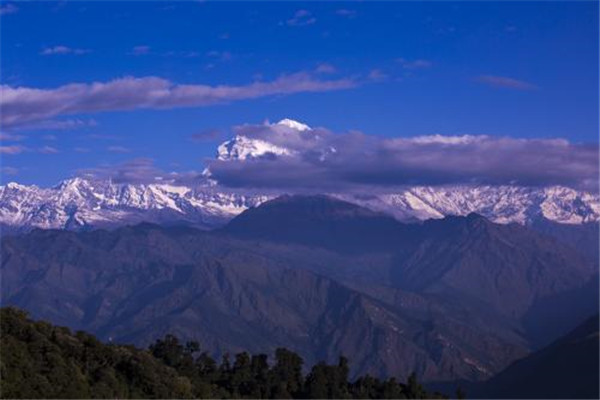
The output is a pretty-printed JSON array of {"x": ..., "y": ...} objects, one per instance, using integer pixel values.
[
  {"x": 460, "y": 393},
  {"x": 38, "y": 360}
]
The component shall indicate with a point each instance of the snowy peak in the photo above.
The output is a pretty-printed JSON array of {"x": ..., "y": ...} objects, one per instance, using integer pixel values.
[
  {"x": 500, "y": 204},
  {"x": 569, "y": 206},
  {"x": 77, "y": 203},
  {"x": 290, "y": 123},
  {"x": 244, "y": 148}
]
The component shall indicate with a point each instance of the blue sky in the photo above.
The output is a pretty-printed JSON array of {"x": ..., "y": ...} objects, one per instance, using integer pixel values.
[{"x": 388, "y": 69}]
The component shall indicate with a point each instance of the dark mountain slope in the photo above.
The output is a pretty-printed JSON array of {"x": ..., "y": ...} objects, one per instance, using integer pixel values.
[
  {"x": 448, "y": 298},
  {"x": 566, "y": 369},
  {"x": 323, "y": 222},
  {"x": 508, "y": 267},
  {"x": 134, "y": 285},
  {"x": 584, "y": 238}
]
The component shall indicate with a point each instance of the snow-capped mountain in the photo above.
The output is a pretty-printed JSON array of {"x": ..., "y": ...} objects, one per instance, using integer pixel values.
[
  {"x": 79, "y": 203},
  {"x": 500, "y": 204},
  {"x": 290, "y": 123},
  {"x": 241, "y": 147}
]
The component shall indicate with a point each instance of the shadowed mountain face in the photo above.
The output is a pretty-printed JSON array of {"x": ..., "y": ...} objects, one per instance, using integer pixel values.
[
  {"x": 321, "y": 221},
  {"x": 582, "y": 237},
  {"x": 572, "y": 360},
  {"x": 137, "y": 284},
  {"x": 448, "y": 299},
  {"x": 508, "y": 267}
]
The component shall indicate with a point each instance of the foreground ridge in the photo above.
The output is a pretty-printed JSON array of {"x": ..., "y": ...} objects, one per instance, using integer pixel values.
[{"x": 40, "y": 360}]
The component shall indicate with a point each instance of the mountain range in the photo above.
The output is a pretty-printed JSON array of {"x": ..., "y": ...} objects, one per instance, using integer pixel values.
[
  {"x": 454, "y": 298},
  {"x": 454, "y": 282},
  {"x": 83, "y": 203}
]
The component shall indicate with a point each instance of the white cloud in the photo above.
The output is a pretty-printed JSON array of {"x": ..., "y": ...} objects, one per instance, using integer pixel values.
[
  {"x": 301, "y": 18},
  {"x": 48, "y": 150},
  {"x": 140, "y": 50},
  {"x": 322, "y": 160},
  {"x": 8, "y": 9},
  {"x": 325, "y": 68},
  {"x": 62, "y": 50},
  {"x": 23, "y": 105},
  {"x": 12, "y": 149},
  {"x": 505, "y": 82},
  {"x": 118, "y": 149}
]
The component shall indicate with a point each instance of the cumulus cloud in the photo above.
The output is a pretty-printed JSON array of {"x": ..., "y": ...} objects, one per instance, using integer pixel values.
[
  {"x": 9, "y": 137},
  {"x": 377, "y": 75},
  {"x": 12, "y": 149},
  {"x": 220, "y": 55},
  {"x": 48, "y": 150},
  {"x": 140, "y": 50},
  {"x": 326, "y": 161},
  {"x": 62, "y": 50},
  {"x": 21, "y": 105},
  {"x": 343, "y": 12},
  {"x": 139, "y": 170},
  {"x": 118, "y": 149},
  {"x": 505, "y": 82},
  {"x": 56, "y": 125},
  {"x": 301, "y": 18},
  {"x": 185, "y": 54},
  {"x": 325, "y": 68},
  {"x": 8, "y": 9}
]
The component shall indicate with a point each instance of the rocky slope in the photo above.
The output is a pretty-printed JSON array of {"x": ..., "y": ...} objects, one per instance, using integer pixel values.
[{"x": 392, "y": 306}]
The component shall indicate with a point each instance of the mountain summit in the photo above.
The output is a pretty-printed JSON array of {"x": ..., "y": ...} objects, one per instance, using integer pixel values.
[
  {"x": 242, "y": 147},
  {"x": 321, "y": 221},
  {"x": 78, "y": 202}
]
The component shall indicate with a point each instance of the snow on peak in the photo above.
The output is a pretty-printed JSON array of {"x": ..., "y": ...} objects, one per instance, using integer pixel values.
[
  {"x": 15, "y": 186},
  {"x": 103, "y": 203},
  {"x": 290, "y": 123},
  {"x": 81, "y": 202},
  {"x": 244, "y": 148}
]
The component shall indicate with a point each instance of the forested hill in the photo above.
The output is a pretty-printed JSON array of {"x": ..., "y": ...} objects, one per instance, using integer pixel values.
[{"x": 40, "y": 360}]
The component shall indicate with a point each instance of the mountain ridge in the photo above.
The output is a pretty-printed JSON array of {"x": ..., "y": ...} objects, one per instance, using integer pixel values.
[
  {"x": 84, "y": 203},
  {"x": 249, "y": 292},
  {"x": 79, "y": 203}
]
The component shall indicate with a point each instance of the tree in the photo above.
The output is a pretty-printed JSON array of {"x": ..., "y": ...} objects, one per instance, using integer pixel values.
[
  {"x": 39, "y": 360},
  {"x": 287, "y": 372},
  {"x": 414, "y": 390},
  {"x": 460, "y": 393}
]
